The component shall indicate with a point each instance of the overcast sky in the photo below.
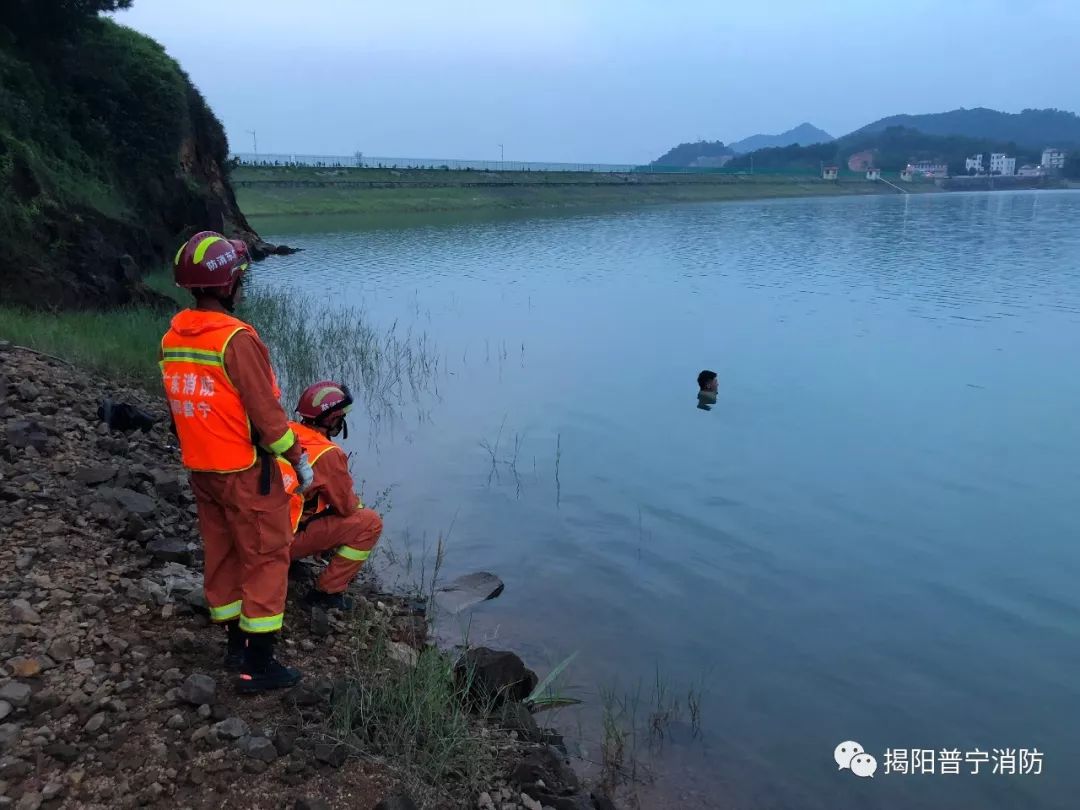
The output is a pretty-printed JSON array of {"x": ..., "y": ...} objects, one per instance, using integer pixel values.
[{"x": 601, "y": 80}]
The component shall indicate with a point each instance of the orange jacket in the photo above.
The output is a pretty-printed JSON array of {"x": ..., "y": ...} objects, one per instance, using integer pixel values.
[
  {"x": 333, "y": 487},
  {"x": 212, "y": 424}
]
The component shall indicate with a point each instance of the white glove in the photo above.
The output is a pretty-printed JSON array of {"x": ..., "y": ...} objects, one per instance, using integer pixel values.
[{"x": 304, "y": 473}]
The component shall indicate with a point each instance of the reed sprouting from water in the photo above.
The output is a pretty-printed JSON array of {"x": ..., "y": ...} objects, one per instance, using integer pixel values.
[{"x": 311, "y": 340}]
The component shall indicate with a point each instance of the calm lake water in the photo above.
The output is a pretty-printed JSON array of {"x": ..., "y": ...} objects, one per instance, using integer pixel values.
[{"x": 872, "y": 536}]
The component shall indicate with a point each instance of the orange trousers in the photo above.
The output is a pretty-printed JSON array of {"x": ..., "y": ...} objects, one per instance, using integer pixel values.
[
  {"x": 351, "y": 537},
  {"x": 246, "y": 539}
]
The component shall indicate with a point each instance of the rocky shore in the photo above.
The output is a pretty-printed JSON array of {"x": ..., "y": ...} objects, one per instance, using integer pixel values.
[{"x": 111, "y": 689}]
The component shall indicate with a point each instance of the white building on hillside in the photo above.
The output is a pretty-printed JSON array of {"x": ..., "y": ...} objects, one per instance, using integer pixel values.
[
  {"x": 929, "y": 168},
  {"x": 974, "y": 162},
  {"x": 1053, "y": 159},
  {"x": 873, "y": 174},
  {"x": 1002, "y": 164}
]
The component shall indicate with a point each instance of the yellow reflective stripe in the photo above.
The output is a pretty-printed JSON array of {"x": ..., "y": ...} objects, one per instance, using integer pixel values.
[
  {"x": 198, "y": 356},
  {"x": 198, "y": 361},
  {"x": 282, "y": 444},
  {"x": 322, "y": 453},
  {"x": 264, "y": 624},
  {"x": 353, "y": 554},
  {"x": 181, "y": 250},
  {"x": 225, "y": 612},
  {"x": 203, "y": 246}
]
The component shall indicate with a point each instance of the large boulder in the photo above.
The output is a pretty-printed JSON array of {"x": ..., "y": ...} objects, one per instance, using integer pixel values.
[{"x": 495, "y": 676}]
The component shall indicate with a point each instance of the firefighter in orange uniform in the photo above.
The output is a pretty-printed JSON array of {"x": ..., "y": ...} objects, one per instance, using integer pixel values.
[
  {"x": 330, "y": 516},
  {"x": 230, "y": 425}
]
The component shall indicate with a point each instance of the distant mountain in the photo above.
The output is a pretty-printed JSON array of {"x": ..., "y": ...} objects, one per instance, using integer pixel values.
[
  {"x": 804, "y": 134},
  {"x": 703, "y": 154},
  {"x": 1033, "y": 129}
]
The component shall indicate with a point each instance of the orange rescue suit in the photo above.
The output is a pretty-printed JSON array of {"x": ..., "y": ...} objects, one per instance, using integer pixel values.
[
  {"x": 332, "y": 517},
  {"x": 212, "y": 364}
]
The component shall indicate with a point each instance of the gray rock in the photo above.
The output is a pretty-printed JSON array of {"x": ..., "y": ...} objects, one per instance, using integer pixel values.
[
  {"x": 24, "y": 613},
  {"x": 15, "y": 693},
  {"x": 5, "y": 709},
  {"x": 302, "y": 695},
  {"x": 117, "y": 644},
  {"x": 167, "y": 485},
  {"x": 310, "y": 804},
  {"x": 14, "y": 768},
  {"x": 170, "y": 549},
  {"x": 333, "y": 754},
  {"x": 25, "y": 433},
  {"x": 62, "y": 649},
  {"x": 285, "y": 739},
  {"x": 198, "y": 689},
  {"x": 28, "y": 391},
  {"x": 204, "y": 711},
  {"x": 197, "y": 600},
  {"x": 177, "y": 722},
  {"x": 9, "y": 733},
  {"x": 131, "y": 501},
  {"x": 232, "y": 729},
  {"x": 320, "y": 622},
  {"x": 92, "y": 476},
  {"x": 52, "y": 790},
  {"x": 29, "y": 801},
  {"x": 84, "y": 665},
  {"x": 468, "y": 590},
  {"x": 95, "y": 723},
  {"x": 259, "y": 748}
]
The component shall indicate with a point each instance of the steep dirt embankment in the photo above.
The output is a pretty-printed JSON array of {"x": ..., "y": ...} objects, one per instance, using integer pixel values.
[{"x": 109, "y": 157}]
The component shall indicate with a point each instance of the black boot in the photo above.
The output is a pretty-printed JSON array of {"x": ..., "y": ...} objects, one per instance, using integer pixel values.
[
  {"x": 316, "y": 598},
  {"x": 234, "y": 646},
  {"x": 261, "y": 671}
]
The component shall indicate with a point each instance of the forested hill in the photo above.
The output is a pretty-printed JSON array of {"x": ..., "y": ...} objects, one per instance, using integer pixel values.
[
  {"x": 1031, "y": 129},
  {"x": 108, "y": 154}
]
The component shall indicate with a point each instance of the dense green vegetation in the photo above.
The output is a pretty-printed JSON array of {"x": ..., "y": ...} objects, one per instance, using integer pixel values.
[
  {"x": 702, "y": 153},
  {"x": 893, "y": 149},
  {"x": 1031, "y": 129},
  {"x": 105, "y": 149}
]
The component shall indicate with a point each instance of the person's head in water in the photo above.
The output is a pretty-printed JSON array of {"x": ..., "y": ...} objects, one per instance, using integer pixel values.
[{"x": 707, "y": 381}]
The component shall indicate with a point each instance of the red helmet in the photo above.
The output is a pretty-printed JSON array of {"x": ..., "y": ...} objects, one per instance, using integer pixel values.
[
  {"x": 208, "y": 259},
  {"x": 322, "y": 399}
]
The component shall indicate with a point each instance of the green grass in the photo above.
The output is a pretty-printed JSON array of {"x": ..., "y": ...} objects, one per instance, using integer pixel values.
[
  {"x": 313, "y": 340},
  {"x": 415, "y": 716},
  {"x": 119, "y": 344},
  {"x": 265, "y": 191}
]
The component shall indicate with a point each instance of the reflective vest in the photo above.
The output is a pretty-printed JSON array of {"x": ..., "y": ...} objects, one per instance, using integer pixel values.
[
  {"x": 211, "y": 422},
  {"x": 316, "y": 446}
]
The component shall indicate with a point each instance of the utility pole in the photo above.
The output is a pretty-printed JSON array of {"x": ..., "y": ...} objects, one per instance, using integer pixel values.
[
  {"x": 254, "y": 143},
  {"x": 502, "y": 157}
]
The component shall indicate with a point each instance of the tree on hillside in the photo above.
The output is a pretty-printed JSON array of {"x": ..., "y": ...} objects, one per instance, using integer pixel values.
[
  {"x": 40, "y": 20},
  {"x": 689, "y": 154}
]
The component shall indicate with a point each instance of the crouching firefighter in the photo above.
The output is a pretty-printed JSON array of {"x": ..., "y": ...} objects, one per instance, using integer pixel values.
[
  {"x": 329, "y": 517},
  {"x": 224, "y": 400}
]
